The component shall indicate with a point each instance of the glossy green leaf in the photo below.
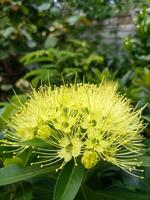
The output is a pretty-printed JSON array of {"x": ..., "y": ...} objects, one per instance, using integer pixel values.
[
  {"x": 88, "y": 194},
  {"x": 4, "y": 193},
  {"x": 33, "y": 142},
  {"x": 50, "y": 42},
  {"x": 72, "y": 20},
  {"x": 147, "y": 118},
  {"x": 5, "y": 114},
  {"x": 145, "y": 161},
  {"x": 9, "y": 108},
  {"x": 15, "y": 173},
  {"x": 24, "y": 191},
  {"x": 69, "y": 182}
]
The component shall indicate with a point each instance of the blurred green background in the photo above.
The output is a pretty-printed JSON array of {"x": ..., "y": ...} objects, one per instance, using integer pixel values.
[{"x": 51, "y": 41}]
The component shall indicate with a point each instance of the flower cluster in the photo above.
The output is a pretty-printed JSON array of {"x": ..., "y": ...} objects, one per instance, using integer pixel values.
[{"x": 92, "y": 123}]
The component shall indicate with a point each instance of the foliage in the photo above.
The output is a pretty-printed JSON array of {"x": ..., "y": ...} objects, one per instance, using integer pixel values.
[
  {"x": 138, "y": 46},
  {"x": 53, "y": 63},
  {"x": 137, "y": 52},
  {"x": 101, "y": 9},
  {"x": 26, "y": 27}
]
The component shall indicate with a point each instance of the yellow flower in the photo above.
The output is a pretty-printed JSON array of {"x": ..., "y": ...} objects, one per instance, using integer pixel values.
[
  {"x": 89, "y": 159},
  {"x": 43, "y": 131},
  {"x": 85, "y": 121}
]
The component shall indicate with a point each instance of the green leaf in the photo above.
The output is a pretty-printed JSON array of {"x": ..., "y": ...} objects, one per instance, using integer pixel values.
[
  {"x": 69, "y": 182},
  {"x": 126, "y": 78},
  {"x": 33, "y": 142},
  {"x": 72, "y": 20},
  {"x": 9, "y": 108},
  {"x": 6, "y": 87},
  {"x": 5, "y": 114},
  {"x": 4, "y": 193},
  {"x": 31, "y": 43},
  {"x": 147, "y": 118},
  {"x": 4, "y": 54},
  {"x": 89, "y": 194},
  {"x": 145, "y": 160},
  {"x": 50, "y": 42},
  {"x": 145, "y": 57},
  {"x": 24, "y": 191},
  {"x": 7, "y": 32},
  {"x": 15, "y": 173},
  {"x": 26, "y": 155},
  {"x": 44, "y": 6}
]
